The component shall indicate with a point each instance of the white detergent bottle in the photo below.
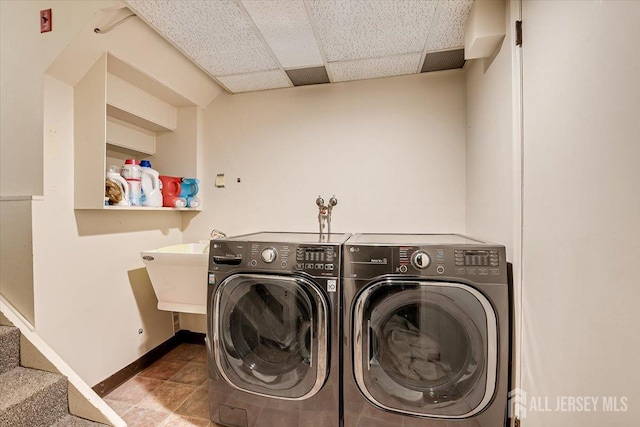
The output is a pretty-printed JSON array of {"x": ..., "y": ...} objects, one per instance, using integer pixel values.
[
  {"x": 132, "y": 174},
  {"x": 151, "y": 190},
  {"x": 113, "y": 174}
]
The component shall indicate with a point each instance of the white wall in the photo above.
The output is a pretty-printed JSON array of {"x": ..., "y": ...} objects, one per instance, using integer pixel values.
[
  {"x": 16, "y": 272},
  {"x": 90, "y": 292},
  {"x": 581, "y": 208},
  {"x": 490, "y": 147},
  {"x": 391, "y": 150},
  {"x": 493, "y": 162},
  {"x": 25, "y": 55}
]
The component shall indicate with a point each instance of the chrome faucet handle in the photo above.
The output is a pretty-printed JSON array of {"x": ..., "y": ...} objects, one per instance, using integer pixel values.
[
  {"x": 322, "y": 213},
  {"x": 217, "y": 234},
  {"x": 332, "y": 202}
]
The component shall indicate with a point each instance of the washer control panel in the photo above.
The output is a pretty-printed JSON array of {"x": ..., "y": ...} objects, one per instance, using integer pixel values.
[
  {"x": 269, "y": 255},
  {"x": 277, "y": 256},
  {"x": 316, "y": 260}
]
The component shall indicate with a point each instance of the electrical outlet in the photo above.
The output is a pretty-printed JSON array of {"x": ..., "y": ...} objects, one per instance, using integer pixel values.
[{"x": 46, "y": 22}]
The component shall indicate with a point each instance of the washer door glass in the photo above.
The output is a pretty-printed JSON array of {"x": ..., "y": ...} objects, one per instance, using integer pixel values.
[
  {"x": 271, "y": 335},
  {"x": 425, "y": 348}
]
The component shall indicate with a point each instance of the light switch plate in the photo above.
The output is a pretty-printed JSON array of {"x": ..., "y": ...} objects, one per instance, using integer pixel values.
[
  {"x": 220, "y": 180},
  {"x": 46, "y": 22}
]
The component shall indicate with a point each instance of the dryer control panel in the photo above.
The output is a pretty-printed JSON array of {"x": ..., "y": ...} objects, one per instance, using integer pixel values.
[{"x": 479, "y": 264}]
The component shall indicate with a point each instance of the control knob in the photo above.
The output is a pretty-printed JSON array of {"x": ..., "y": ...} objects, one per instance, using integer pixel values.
[
  {"x": 420, "y": 260},
  {"x": 269, "y": 255}
]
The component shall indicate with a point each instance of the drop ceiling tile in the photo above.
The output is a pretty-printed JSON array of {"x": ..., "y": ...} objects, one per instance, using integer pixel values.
[
  {"x": 256, "y": 81},
  {"x": 286, "y": 28},
  {"x": 447, "y": 31},
  {"x": 350, "y": 29},
  {"x": 217, "y": 35},
  {"x": 375, "y": 67}
]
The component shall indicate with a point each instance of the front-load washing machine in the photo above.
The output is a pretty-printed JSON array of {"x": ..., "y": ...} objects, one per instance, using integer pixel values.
[
  {"x": 273, "y": 329},
  {"x": 426, "y": 324}
]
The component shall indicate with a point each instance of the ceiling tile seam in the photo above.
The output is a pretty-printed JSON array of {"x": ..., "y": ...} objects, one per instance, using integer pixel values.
[
  {"x": 302, "y": 67},
  {"x": 246, "y": 14},
  {"x": 249, "y": 72},
  {"x": 434, "y": 20},
  {"x": 447, "y": 49},
  {"x": 314, "y": 30},
  {"x": 223, "y": 86},
  {"x": 179, "y": 49},
  {"x": 395, "y": 55}
]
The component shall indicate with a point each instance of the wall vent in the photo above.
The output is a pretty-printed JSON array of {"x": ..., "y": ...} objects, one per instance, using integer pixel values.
[
  {"x": 447, "y": 60},
  {"x": 308, "y": 76}
]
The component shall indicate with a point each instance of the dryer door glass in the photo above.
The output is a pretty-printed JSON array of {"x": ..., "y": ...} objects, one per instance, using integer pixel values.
[
  {"x": 425, "y": 348},
  {"x": 271, "y": 335}
]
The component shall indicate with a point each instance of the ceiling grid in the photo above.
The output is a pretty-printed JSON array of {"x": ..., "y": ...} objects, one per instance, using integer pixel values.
[
  {"x": 436, "y": 15},
  {"x": 249, "y": 45}
]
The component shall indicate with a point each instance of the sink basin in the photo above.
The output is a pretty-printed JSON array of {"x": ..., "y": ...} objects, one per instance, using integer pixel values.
[
  {"x": 178, "y": 275},
  {"x": 184, "y": 248}
]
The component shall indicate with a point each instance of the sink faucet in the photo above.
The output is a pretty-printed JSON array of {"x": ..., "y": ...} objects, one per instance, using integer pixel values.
[
  {"x": 217, "y": 234},
  {"x": 324, "y": 213}
]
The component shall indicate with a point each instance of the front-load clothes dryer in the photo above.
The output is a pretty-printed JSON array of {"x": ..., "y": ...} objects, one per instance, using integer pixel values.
[
  {"x": 426, "y": 324},
  {"x": 273, "y": 329}
]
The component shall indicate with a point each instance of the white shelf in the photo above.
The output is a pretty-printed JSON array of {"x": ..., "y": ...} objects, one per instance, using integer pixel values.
[
  {"x": 126, "y": 136},
  {"x": 148, "y": 209},
  {"x": 129, "y": 103},
  {"x": 121, "y": 113},
  {"x": 129, "y": 117}
]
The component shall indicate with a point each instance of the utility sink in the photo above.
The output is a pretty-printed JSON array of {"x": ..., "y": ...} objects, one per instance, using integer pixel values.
[{"x": 178, "y": 275}]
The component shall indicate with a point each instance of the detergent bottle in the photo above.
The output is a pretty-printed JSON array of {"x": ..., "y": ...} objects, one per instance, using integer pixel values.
[
  {"x": 132, "y": 174},
  {"x": 171, "y": 188},
  {"x": 189, "y": 190},
  {"x": 114, "y": 175},
  {"x": 151, "y": 187}
]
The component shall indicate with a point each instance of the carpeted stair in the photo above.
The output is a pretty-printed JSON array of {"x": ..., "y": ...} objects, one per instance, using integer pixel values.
[{"x": 30, "y": 397}]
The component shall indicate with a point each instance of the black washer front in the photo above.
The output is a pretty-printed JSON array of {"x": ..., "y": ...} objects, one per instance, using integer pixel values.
[{"x": 272, "y": 334}]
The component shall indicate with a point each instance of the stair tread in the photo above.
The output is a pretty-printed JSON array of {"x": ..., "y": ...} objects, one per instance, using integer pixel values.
[
  {"x": 9, "y": 348},
  {"x": 7, "y": 329},
  {"x": 21, "y": 383},
  {"x": 31, "y": 397},
  {"x": 73, "y": 421}
]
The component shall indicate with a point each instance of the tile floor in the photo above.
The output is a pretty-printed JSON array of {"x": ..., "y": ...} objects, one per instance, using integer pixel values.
[{"x": 170, "y": 393}]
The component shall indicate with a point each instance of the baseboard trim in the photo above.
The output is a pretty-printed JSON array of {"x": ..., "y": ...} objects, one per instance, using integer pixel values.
[
  {"x": 191, "y": 337},
  {"x": 114, "y": 381}
]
